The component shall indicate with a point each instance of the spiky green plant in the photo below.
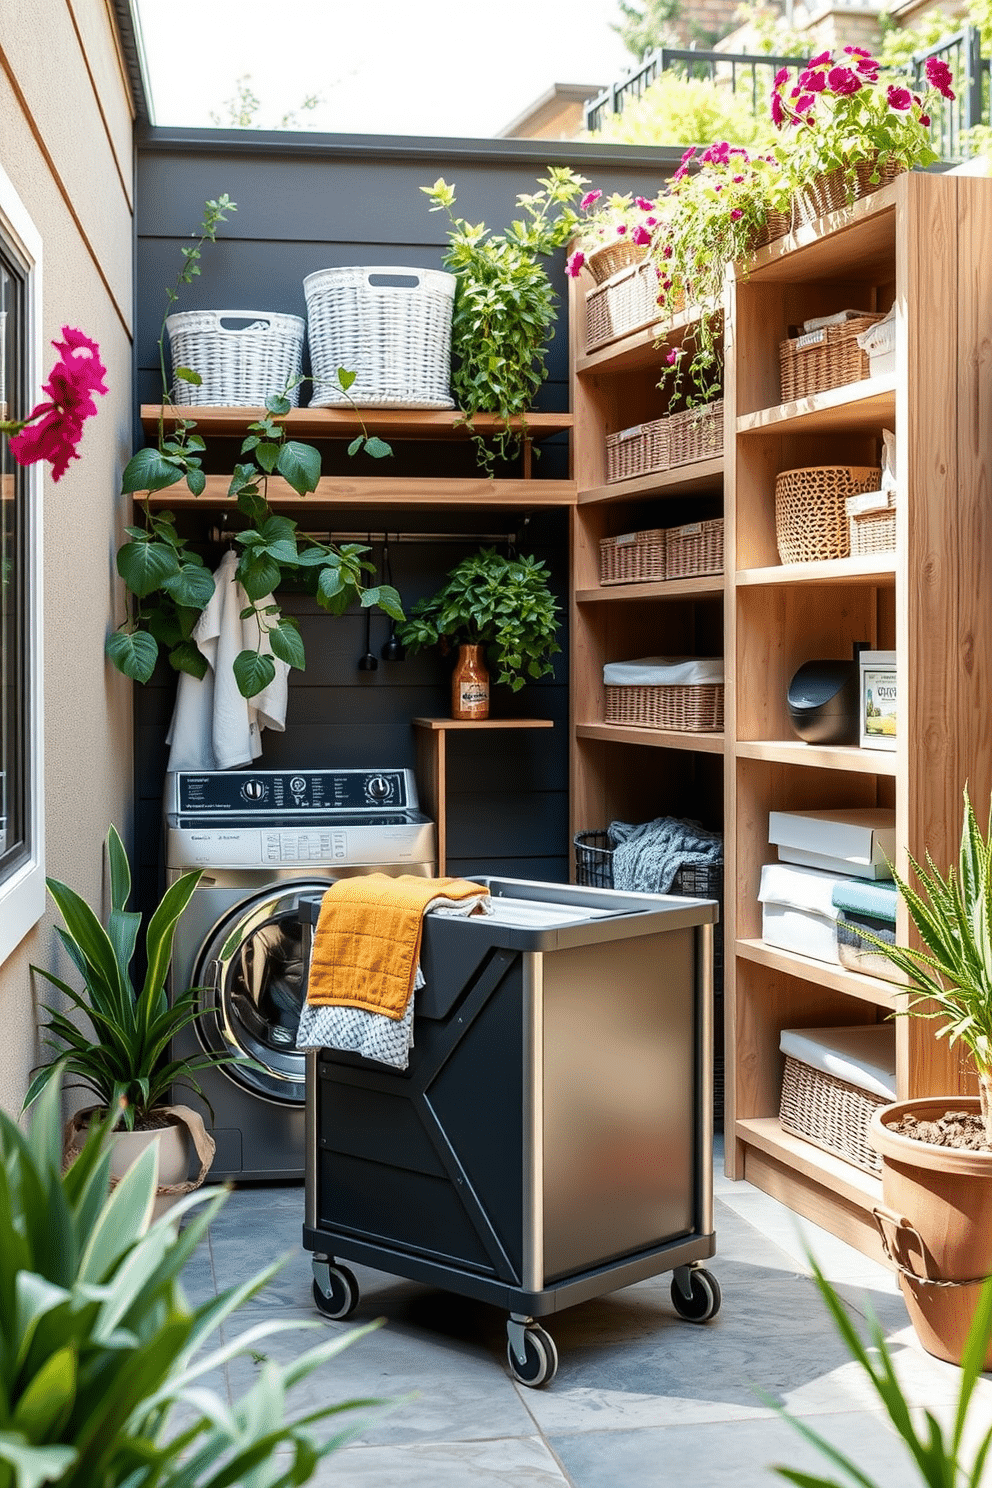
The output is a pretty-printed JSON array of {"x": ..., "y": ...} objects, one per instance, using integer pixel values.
[
  {"x": 124, "y": 1059},
  {"x": 952, "y": 975},
  {"x": 937, "y": 1455},
  {"x": 101, "y": 1357}
]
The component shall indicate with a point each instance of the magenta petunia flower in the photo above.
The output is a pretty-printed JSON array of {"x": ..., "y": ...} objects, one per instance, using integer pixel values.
[
  {"x": 666, "y": 252},
  {"x": 53, "y": 430},
  {"x": 688, "y": 154},
  {"x": 899, "y": 98},
  {"x": 643, "y": 203},
  {"x": 925, "y": 120},
  {"x": 673, "y": 357},
  {"x": 621, "y": 229},
  {"x": 820, "y": 60},
  {"x": 650, "y": 222},
  {"x": 778, "y": 111},
  {"x": 781, "y": 77},
  {"x": 589, "y": 200},
  {"x": 737, "y": 180},
  {"x": 640, "y": 235},
  {"x": 805, "y": 103},
  {"x": 856, "y": 51},
  {"x": 735, "y": 214},
  {"x": 574, "y": 264},
  {"x": 939, "y": 76},
  {"x": 842, "y": 80}
]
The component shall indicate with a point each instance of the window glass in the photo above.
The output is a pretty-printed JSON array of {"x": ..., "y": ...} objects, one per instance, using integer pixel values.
[{"x": 13, "y": 579}]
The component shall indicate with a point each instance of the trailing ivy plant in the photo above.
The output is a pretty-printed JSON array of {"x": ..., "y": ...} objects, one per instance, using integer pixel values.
[
  {"x": 169, "y": 584},
  {"x": 501, "y": 603},
  {"x": 504, "y": 310}
]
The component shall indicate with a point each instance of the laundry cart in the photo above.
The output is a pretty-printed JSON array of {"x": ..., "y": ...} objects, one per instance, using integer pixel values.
[{"x": 551, "y": 1138}]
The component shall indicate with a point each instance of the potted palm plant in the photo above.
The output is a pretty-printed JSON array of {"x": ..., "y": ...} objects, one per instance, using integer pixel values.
[
  {"x": 936, "y": 1215},
  {"x": 123, "y": 1059},
  {"x": 489, "y": 606}
]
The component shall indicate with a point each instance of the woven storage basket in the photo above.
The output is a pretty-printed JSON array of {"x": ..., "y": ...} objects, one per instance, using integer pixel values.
[
  {"x": 626, "y": 302},
  {"x": 836, "y": 189},
  {"x": 872, "y": 527},
  {"x": 633, "y": 558},
  {"x": 828, "y": 357},
  {"x": 641, "y": 450},
  {"x": 618, "y": 254},
  {"x": 390, "y": 326},
  {"x": 810, "y": 512},
  {"x": 694, "y": 549},
  {"x": 690, "y": 710},
  {"x": 830, "y": 1113},
  {"x": 242, "y": 356},
  {"x": 696, "y": 434}
]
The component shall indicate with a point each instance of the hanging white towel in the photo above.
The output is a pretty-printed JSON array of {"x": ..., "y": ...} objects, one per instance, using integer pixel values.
[{"x": 213, "y": 727}]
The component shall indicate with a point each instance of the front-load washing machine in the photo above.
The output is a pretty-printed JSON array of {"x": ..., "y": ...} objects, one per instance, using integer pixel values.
[{"x": 262, "y": 839}]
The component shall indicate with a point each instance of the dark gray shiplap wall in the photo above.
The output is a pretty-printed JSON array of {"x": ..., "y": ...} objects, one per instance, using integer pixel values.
[{"x": 307, "y": 202}]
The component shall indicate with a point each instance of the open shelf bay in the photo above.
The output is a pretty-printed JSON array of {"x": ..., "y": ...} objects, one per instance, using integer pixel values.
[
  {"x": 821, "y": 973},
  {"x": 819, "y": 756},
  {"x": 618, "y": 733}
]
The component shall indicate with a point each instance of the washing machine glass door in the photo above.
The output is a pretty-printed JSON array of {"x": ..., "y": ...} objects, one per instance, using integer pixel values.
[{"x": 251, "y": 992}]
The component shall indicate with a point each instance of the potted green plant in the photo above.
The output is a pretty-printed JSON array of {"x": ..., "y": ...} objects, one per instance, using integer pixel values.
[
  {"x": 936, "y": 1215},
  {"x": 494, "y": 608},
  {"x": 504, "y": 310},
  {"x": 123, "y": 1057},
  {"x": 105, "y": 1367}
]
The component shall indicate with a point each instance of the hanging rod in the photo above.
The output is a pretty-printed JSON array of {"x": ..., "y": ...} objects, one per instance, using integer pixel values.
[{"x": 222, "y": 534}]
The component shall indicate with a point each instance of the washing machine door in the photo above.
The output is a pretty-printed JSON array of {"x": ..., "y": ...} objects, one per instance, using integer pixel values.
[{"x": 251, "y": 991}]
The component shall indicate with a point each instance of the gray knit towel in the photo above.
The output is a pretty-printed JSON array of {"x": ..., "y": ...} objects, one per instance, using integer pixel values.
[{"x": 647, "y": 857}]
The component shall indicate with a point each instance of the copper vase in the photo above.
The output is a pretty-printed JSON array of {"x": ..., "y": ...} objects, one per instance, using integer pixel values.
[{"x": 470, "y": 684}]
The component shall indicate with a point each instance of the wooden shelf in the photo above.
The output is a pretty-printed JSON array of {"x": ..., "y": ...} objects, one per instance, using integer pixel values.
[
  {"x": 381, "y": 491},
  {"x": 710, "y": 587},
  {"x": 859, "y": 407},
  {"x": 432, "y": 764},
  {"x": 820, "y": 973},
  {"x": 345, "y": 423},
  {"x": 638, "y": 349},
  {"x": 684, "y": 480},
  {"x": 819, "y": 756},
  {"x": 875, "y": 568},
  {"x": 841, "y": 1177},
  {"x": 618, "y": 733},
  {"x": 858, "y": 242}
]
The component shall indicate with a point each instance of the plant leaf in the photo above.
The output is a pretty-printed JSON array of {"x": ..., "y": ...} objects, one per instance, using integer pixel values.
[
  {"x": 253, "y": 672},
  {"x": 147, "y": 470},
  {"x": 133, "y": 652},
  {"x": 299, "y": 464}
]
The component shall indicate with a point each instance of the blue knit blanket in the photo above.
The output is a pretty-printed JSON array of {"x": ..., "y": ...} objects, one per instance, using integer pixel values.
[{"x": 647, "y": 857}]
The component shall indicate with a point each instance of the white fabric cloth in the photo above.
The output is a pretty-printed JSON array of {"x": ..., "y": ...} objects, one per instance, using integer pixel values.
[
  {"x": 213, "y": 727},
  {"x": 373, "y": 1035},
  {"x": 664, "y": 671}
]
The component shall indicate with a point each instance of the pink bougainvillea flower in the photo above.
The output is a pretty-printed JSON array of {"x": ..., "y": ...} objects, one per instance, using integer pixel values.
[
  {"x": 575, "y": 262},
  {"x": 589, "y": 200},
  {"x": 53, "y": 429},
  {"x": 899, "y": 98},
  {"x": 687, "y": 155},
  {"x": 842, "y": 80},
  {"x": 778, "y": 111},
  {"x": 939, "y": 76}
]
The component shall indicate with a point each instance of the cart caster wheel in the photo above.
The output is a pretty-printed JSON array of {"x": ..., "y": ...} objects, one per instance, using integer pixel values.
[
  {"x": 704, "y": 1303},
  {"x": 344, "y": 1294},
  {"x": 541, "y": 1363}
]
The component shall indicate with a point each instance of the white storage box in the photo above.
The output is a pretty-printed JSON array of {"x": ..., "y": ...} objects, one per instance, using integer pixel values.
[
  {"x": 834, "y": 1081},
  {"x": 878, "y": 699},
  {"x": 390, "y": 326},
  {"x": 797, "y": 910},
  {"x": 857, "y": 840}
]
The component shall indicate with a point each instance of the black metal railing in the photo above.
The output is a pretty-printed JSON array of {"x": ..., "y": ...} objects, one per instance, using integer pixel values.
[{"x": 752, "y": 76}]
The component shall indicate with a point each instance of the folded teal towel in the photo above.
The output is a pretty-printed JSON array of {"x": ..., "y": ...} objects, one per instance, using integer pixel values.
[{"x": 877, "y": 900}]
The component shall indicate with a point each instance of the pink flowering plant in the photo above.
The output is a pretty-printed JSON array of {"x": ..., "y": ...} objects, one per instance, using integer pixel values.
[
  {"x": 843, "y": 110},
  {"x": 53, "y": 429},
  {"x": 605, "y": 220}
]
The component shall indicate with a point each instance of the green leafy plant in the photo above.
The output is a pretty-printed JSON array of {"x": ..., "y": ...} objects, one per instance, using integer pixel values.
[
  {"x": 504, "y": 310},
  {"x": 677, "y": 110},
  {"x": 124, "y": 1058},
  {"x": 168, "y": 583},
  {"x": 501, "y": 603},
  {"x": 103, "y": 1361},
  {"x": 938, "y": 1455},
  {"x": 952, "y": 976}
]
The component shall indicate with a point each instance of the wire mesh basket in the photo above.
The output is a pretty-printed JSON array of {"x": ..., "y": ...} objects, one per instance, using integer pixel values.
[
  {"x": 810, "y": 512},
  {"x": 390, "y": 326},
  {"x": 242, "y": 356}
]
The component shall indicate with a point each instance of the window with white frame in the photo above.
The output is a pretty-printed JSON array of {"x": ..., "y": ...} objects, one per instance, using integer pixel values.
[{"x": 22, "y": 867}]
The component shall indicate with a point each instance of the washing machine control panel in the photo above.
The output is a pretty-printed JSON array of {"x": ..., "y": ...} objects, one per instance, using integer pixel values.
[{"x": 284, "y": 792}]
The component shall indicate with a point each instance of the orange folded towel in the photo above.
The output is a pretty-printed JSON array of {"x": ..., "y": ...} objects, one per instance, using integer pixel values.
[{"x": 366, "y": 943}]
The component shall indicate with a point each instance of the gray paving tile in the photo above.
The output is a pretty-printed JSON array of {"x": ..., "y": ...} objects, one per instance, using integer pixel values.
[
  {"x": 516, "y": 1463},
  {"x": 712, "y": 1456}
]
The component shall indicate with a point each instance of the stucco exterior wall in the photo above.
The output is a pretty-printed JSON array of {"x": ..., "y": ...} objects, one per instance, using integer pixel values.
[{"x": 66, "y": 144}]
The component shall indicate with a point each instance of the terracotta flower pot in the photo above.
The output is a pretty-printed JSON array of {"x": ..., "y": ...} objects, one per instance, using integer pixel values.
[
  {"x": 182, "y": 1135},
  {"x": 936, "y": 1223}
]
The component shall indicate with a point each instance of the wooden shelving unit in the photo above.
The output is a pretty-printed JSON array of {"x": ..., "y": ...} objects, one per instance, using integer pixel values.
[{"x": 919, "y": 244}]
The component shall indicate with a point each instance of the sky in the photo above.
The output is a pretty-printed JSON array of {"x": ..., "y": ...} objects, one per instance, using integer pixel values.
[{"x": 464, "y": 67}]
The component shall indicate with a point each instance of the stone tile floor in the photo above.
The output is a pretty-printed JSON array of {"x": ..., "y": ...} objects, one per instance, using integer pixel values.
[{"x": 641, "y": 1398}]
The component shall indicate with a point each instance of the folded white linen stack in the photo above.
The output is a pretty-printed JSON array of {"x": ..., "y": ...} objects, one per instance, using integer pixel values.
[
  {"x": 213, "y": 727},
  {"x": 373, "y": 1035}
]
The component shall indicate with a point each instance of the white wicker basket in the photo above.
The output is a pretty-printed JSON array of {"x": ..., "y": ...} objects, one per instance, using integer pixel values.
[
  {"x": 390, "y": 326},
  {"x": 241, "y": 364}
]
